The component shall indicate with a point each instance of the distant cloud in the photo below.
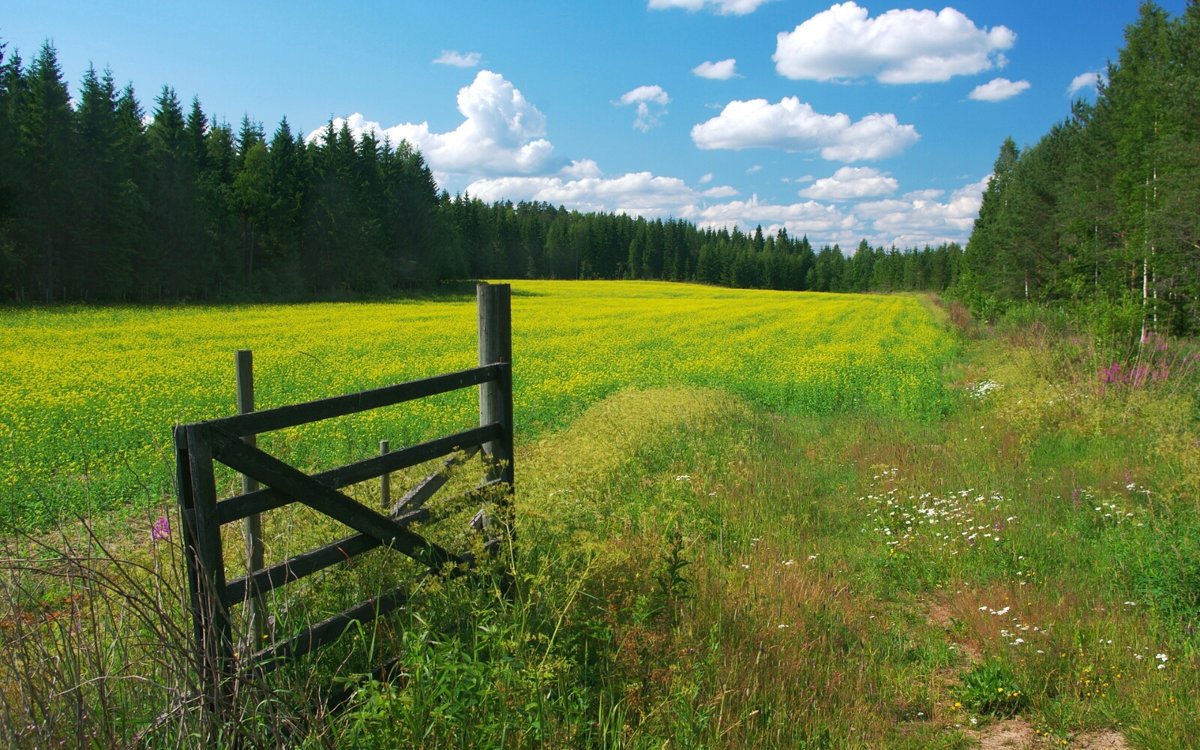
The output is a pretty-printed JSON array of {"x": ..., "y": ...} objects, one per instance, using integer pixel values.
[
  {"x": 721, "y": 70},
  {"x": 917, "y": 218},
  {"x": 457, "y": 59},
  {"x": 997, "y": 90},
  {"x": 581, "y": 168},
  {"x": 811, "y": 218},
  {"x": 721, "y": 191},
  {"x": 704, "y": 180},
  {"x": 851, "y": 182},
  {"x": 501, "y": 133},
  {"x": 635, "y": 193},
  {"x": 645, "y": 94},
  {"x": 651, "y": 104},
  {"x": 899, "y": 46},
  {"x": 1089, "y": 80},
  {"x": 720, "y": 7},
  {"x": 794, "y": 126}
]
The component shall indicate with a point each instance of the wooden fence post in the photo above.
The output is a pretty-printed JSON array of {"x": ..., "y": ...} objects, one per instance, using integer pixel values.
[
  {"x": 495, "y": 398},
  {"x": 215, "y": 647},
  {"x": 252, "y": 526}
]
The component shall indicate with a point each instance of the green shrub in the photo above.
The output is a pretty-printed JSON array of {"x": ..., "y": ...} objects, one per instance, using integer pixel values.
[{"x": 990, "y": 689}]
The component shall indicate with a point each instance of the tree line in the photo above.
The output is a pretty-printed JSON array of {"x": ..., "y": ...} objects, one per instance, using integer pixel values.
[
  {"x": 1104, "y": 210},
  {"x": 100, "y": 202}
]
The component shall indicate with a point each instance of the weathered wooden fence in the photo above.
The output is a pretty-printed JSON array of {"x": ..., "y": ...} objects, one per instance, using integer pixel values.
[{"x": 230, "y": 441}]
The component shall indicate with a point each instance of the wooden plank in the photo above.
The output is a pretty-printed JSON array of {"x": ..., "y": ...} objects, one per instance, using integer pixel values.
[
  {"x": 427, "y": 487},
  {"x": 251, "y": 524},
  {"x": 263, "y": 500},
  {"x": 216, "y": 639},
  {"x": 262, "y": 581},
  {"x": 271, "y": 471},
  {"x": 187, "y": 519},
  {"x": 495, "y": 397},
  {"x": 329, "y": 630},
  {"x": 278, "y": 418}
]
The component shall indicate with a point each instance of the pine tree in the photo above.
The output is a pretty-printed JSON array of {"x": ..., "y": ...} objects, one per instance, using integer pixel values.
[
  {"x": 286, "y": 192},
  {"x": 176, "y": 241},
  {"x": 1138, "y": 91},
  {"x": 47, "y": 144},
  {"x": 12, "y": 262},
  {"x": 109, "y": 216},
  {"x": 989, "y": 255}
]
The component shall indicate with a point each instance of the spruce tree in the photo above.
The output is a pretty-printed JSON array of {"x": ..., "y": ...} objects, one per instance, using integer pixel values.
[{"x": 47, "y": 151}]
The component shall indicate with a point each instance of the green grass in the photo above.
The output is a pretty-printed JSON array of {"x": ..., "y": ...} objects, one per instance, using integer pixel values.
[{"x": 741, "y": 591}]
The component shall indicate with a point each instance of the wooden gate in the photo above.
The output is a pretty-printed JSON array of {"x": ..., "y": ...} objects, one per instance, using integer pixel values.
[{"x": 230, "y": 441}]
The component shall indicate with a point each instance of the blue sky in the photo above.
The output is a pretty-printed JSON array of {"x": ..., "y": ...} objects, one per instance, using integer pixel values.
[{"x": 835, "y": 120}]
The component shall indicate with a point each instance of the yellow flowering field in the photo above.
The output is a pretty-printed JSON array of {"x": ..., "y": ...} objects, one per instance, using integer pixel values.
[{"x": 88, "y": 395}]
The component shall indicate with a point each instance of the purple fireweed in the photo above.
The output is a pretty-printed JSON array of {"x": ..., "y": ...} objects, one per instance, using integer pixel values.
[{"x": 161, "y": 529}]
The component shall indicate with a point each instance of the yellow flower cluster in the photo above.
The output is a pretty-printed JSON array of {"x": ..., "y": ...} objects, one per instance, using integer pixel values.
[{"x": 88, "y": 396}]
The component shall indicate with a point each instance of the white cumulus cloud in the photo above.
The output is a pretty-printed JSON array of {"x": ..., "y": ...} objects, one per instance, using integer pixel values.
[
  {"x": 811, "y": 218},
  {"x": 722, "y": 70},
  {"x": 915, "y": 219},
  {"x": 580, "y": 168},
  {"x": 851, "y": 182},
  {"x": 899, "y": 46},
  {"x": 720, "y": 7},
  {"x": 795, "y": 126},
  {"x": 501, "y": 133},
  {"x": 457, "y": 59},
  {"x": 919, "y": 218},
  {"x": 1088, "y": 80},
  {"x": 651, "y": 104},
  {"x": 721, "y": 191},
  {"x": 997, "y": 90},
  {"x": 635, "y": 193}
]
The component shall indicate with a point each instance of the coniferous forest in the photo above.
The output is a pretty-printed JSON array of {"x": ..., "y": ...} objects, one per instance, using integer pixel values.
[
  {"x": 1104, "y": 210},
  {"x": 97, "y": 205},
  {"x": 100, "y": 202}
]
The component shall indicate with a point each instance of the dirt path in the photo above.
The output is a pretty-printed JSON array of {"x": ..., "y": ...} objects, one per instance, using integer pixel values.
[{"x": 1017, "y": 734}]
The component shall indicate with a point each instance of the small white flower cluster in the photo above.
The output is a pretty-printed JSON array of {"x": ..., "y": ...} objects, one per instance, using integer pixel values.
[
  {"x": 1016, "y": 632},
  {"x": 981, "y": 389},
  {"x": 1111, "y": 513},
  {"x": 1161, "y": 658},
  {"x": 962, "y": 515}
]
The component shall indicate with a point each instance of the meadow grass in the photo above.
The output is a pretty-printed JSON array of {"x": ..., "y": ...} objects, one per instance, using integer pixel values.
[
  {"x": 700, "y": 567},
  {"x": 751, "y": 579},
  {"x": 88, "y": 396}
]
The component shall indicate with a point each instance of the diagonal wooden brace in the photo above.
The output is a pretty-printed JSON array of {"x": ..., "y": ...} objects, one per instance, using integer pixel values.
[{"x": 232, "y": 452}]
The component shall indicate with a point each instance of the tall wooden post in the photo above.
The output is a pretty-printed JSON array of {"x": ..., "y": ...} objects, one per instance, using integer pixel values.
[
  {"x": 252, "y": 525},
  {"x": 199, "y": 501},
  {"x": 495, "y": 397}
]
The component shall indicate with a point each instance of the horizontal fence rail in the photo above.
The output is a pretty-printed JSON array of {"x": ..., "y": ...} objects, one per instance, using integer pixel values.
[{"x": 269, "y": 420}]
